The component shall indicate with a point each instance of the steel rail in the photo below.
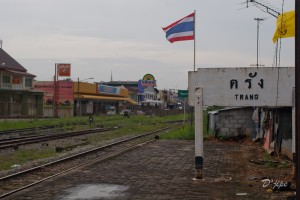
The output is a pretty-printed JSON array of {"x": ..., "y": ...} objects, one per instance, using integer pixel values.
[{"x": 41, "y": 138}]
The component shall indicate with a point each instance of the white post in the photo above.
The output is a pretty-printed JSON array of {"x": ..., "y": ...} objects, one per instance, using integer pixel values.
[{"x": 198, "y": 133}]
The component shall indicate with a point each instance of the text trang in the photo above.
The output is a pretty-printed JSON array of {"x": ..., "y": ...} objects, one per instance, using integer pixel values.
[
  {"x": 248, "y": 81},
  {"x": 265, "y": 86}
]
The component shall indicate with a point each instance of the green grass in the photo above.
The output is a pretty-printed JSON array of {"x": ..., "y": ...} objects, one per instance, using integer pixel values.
[
  {"x": 98, "y": 120},
  {"x": 271, "y": 163},
  {"x": 184, "y": 133},
  {"x": 22, "y": 156},
  {"x": 187, "y": 132},
  {"x": 129, "y": 130}
]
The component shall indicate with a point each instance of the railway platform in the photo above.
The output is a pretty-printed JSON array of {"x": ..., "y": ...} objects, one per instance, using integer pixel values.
[{"x": 165, "y": 169}]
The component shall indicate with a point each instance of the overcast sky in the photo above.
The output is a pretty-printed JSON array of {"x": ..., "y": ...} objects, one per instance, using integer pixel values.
[{"x": 125, "y": 37}]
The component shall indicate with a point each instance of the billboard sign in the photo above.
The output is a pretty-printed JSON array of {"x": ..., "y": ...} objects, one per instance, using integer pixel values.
[
  {"x": 148, "y": 80},
  {"x": 264, "y": 86},
  {"x": 105, "y": 89},
  {"x": 64, "y": 69}
]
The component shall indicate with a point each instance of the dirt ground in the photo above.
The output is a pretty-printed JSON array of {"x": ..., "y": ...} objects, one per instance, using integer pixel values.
[{"x": 270, "y": 175}]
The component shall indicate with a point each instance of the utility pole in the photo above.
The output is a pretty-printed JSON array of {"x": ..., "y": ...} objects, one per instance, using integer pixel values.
[
  {"x": 55, "y": 92},
  {"x": 265, "y": 8},
  {"x": 257, "y": 38},
  {"x": 78, "y": 102}
]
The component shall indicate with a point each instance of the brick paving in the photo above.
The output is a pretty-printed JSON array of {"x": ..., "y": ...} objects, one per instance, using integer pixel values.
[{"x": 160, "y": 170}]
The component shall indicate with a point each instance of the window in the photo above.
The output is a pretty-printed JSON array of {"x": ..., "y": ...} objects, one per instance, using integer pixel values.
[
  {"x": 5, "y": 79},
  {"x": 28, "y": 82}
]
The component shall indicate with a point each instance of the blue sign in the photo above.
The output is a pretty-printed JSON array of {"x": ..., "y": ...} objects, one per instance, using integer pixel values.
[{"x": 108, "y": 89}]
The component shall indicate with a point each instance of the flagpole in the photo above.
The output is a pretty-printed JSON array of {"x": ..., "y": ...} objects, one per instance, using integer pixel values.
[{"x": 194, "y": 40}]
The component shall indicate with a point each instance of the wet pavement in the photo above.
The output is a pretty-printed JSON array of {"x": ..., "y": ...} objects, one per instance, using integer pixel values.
[{"x": 164, "y": 169}]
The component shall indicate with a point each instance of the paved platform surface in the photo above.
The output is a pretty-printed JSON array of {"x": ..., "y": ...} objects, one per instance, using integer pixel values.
[{"x": 161, "y": 170}]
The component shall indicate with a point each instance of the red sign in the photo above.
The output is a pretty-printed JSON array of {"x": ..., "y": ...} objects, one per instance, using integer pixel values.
[
  {"x": 16, "y": 80},
  {"x": 64, "y": 69}
]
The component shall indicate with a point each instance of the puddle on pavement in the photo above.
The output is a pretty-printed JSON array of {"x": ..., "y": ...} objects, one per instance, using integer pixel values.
[{"x": 95, "y": 191}]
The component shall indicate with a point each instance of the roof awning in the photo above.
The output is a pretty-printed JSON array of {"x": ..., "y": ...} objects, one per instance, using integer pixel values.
[
  {"x": 19, "y": 72},
  {"x": 152, "y": 101},
  {"x": 105, "y": 98}
]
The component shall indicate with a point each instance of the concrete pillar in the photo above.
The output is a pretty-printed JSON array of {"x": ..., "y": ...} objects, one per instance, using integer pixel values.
[{"x": 198, "y": 133}]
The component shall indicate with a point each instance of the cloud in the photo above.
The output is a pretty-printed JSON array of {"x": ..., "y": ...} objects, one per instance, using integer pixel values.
[{"x": 125, "y": 37}]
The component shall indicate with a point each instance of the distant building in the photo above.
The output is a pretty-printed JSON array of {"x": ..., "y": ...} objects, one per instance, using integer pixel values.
[
  {"x": 143, "y": 91},
  {"x": 65, "y": 97},
  {"x": 134, "y": 92},
  {"x": 81, "y": 98},
  {"x": 98, "y": 99},
  {"x": 17, "y": 96}
]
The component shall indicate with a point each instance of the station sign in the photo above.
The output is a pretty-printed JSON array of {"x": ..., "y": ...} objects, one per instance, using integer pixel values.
[{"x": 252, "y": 86}]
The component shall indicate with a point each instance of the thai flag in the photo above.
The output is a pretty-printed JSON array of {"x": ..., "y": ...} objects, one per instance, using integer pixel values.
[{"x": 181, "y": 30}]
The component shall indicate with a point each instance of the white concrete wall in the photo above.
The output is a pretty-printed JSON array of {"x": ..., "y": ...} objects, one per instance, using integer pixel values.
[{"x": 264, "y": 86}]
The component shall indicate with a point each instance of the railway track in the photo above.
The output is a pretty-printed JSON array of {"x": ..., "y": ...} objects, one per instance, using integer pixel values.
[
  {"x": 26, "y": 131},
  {"x": 33, "y": 137},
  {"x": 15, "y": 142},
  {"x": 21, "y": 180},
  {"x": 35, "y": 130}
]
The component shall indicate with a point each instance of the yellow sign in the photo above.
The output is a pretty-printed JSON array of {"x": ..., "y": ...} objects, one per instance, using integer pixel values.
[{"x": 148, "y": 77}]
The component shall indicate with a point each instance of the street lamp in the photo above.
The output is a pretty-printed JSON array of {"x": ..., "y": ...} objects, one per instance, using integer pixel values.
[{"x": 78, "y": 100}]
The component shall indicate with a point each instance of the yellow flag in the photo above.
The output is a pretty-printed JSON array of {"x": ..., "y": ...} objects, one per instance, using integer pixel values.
[{"x": 285, "y": 26}]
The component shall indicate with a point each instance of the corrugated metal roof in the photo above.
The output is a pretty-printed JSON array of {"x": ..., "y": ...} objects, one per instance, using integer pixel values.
[{"x": 105, "y": 98}]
